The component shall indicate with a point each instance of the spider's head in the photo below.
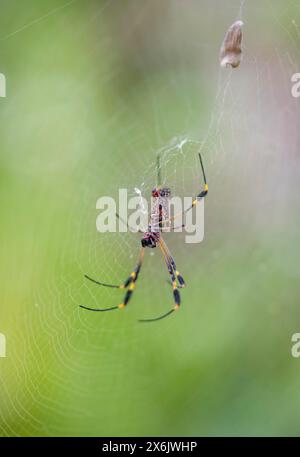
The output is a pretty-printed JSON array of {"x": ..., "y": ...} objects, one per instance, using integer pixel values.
[{"x": 155, "y": 192}]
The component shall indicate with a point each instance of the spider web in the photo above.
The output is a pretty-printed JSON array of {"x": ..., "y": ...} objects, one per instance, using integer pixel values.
[{"x": 73, "y": 372}]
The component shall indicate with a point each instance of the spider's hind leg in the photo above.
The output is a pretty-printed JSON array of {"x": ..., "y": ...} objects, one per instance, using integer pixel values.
[
  {"x": 175, "y": 275},
  {"x": 171, "y": 262},
  {"x": 128, "y": 283},
  {"x": 178, "y": 285},
  {"x": 131, "y": 280}
]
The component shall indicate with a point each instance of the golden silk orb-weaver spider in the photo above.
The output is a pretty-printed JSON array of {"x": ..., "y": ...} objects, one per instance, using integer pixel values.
[{"x": 151, "y": 239}]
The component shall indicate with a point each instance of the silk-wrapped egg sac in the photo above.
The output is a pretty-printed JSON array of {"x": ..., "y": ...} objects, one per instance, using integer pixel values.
[{"x": 231, "y": 49}]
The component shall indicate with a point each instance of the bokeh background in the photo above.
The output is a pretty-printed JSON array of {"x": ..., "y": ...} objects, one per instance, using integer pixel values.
[{"x": 94, "y": 90}]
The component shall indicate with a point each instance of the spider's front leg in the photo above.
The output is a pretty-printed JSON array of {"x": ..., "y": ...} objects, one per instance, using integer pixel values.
[
  {"x": 196, "y": 199},
  {"x": 201, "y": 194}
]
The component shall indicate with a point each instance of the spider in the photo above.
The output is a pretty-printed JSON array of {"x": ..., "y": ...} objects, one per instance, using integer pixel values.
[{"x": 151, "y": 239}]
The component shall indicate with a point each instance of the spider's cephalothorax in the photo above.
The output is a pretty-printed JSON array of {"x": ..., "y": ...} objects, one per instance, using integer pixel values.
[
  {"x": 163, "y": 192},
  {"x": 152, "y": 238}
]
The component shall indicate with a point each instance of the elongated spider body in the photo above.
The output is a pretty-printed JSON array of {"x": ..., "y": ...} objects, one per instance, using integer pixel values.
[
  {"x": 151, "y": 239},
  {"x": 158, "y": 215}
]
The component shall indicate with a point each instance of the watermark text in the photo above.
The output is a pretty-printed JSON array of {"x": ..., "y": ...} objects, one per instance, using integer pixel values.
[
  {"x": 2, "y": 345},
  {"x": 164, "y": 214},
  {"x": 2, "y": 85},
  {"x": 295, "y": 89}
]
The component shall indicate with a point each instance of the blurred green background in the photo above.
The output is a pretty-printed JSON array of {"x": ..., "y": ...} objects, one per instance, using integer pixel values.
[{"x": 94, "y": 89}]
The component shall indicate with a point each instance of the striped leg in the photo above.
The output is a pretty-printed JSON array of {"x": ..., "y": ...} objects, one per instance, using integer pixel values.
[
  {"x": 131, "y": 280},
  {"x": 128, "y": 283},
  {"x": 172, "y": 262},
  {"x": 172, "y": 271}
]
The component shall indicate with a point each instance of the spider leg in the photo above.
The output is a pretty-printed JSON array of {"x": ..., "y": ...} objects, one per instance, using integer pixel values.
[
  {"x": 131, "y": 229},
  {"x": 132, "y": 280},
  {"x": 130, "y": 283},
  {"x": 126, "y": 282},
  {"x": 102, "y": 283},
  {"x": 172, "y": 262},
  {"x": 196, "y": 200},
  {"x": 173, "y": 273},
  {"x": 98, "y": 309},
  {"x": 168, "y": 281},
  {"x": 158, "y": 318},
  {"x": 173, "y": 228}
]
